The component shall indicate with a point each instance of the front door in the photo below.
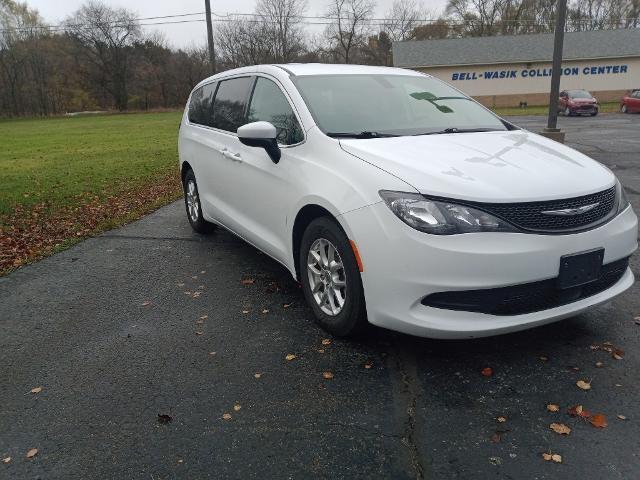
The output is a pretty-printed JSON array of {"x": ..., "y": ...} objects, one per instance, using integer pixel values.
[{"x": 269, "y": 189}]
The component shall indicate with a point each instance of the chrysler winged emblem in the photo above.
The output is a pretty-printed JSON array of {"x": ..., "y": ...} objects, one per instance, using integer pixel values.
[{"x": 569, "y": 212}]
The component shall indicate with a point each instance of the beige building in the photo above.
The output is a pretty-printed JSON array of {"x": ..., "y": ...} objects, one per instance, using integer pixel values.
[{"x": 507, "y": 70}]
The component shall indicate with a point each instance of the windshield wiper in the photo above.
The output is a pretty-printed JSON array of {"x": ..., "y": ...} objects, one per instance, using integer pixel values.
[
  {"x": 458, "y": 130},
  {"x": 360, "y": 135}
]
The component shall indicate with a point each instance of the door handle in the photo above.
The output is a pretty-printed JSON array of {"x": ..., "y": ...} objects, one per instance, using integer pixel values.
[{"x": 236, "y": 157}]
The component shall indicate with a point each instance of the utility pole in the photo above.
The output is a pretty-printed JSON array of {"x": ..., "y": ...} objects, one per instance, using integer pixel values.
[
  {"x": 552, "y": 131},
  {"x": 212, "y": 49}
]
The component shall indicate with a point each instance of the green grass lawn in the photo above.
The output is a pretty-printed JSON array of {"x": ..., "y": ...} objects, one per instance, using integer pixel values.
[
  {"x": 609, "y": 107},
  {"x": 56, "y": 159},
  {"x": 63, "y": 179}
]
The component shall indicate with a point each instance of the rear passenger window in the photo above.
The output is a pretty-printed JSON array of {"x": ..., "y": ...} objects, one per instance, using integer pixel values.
[
  {"x": 201, "y": 105},
  {"x": 230, "y": 103},
  {"x": 269, "y": 104}
]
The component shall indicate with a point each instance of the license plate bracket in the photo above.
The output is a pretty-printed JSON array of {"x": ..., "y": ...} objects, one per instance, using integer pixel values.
[{"x": 580, "y": 268}]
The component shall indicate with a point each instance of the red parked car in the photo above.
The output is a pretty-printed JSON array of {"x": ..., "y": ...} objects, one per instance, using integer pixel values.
[
  {"x": 631, "y": 102},
  {"x": 577, "y": 102}
]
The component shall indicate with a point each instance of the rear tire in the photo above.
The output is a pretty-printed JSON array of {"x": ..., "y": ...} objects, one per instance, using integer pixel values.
[
  {"x": 193, "y": 206},
  {"x": 331, "y": 279}
]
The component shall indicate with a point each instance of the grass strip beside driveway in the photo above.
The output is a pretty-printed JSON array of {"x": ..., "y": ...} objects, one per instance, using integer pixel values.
[{"x": 63, "y": 179}]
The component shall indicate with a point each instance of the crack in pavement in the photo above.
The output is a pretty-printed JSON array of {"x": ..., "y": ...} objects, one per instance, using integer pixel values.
[{"x": 406, "y": 391}]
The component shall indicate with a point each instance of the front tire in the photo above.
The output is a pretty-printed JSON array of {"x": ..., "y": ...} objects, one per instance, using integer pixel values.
[
  {"x": 624, "y": 109},
  {"x": 331, "y": 279},
  {"x": 193, "y": 206},
  {"x": 567, "y": 112}
]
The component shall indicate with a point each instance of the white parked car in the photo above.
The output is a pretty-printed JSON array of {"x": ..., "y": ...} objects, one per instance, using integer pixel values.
[{"x": 395, "y": 199}]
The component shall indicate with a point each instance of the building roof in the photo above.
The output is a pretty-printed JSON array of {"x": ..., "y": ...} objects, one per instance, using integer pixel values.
[{"x": 516, "y": 48}]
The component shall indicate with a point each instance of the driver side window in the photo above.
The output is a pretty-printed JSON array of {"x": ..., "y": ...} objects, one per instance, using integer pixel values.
[{"x": 269, "y": 104}]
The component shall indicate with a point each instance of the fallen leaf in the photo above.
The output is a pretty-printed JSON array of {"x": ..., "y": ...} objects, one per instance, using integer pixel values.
[
  {"x": 487, "y": 372},
  {"x": 599, "y": 364},
  {"x": 145, "y": 303},
  {"x": 36, "y": 390},
  {"x": 203, "y": 272},
  {"x": 326, "y": 341},
  {"x": 621, "y": 417},
  {"x": 199, "y": 322},
  {"x": 245, "y": 311},
  {"x": 501, "y": 419},
  {"x": 212, "y": 353},
  {"x": 226, "y": 416},
  {"x": 544, "y": 358},
  {"x": 237, "y": 407},
  {"x": 617, "y": 354},
  {"x": 560, "y": 428},
  {"x": 327, "y": 375},
  {"x": 164, "y": 419},
  {"x": 199, "y": 333},
  {"x": 32, "y": 453},
  {"x": 180, "y": 284},
  {"x": 195, "y": 277},
  {"x": 495, "y": 438},
  {"x": 196, "y": 294},
  {"x": 289, "y": 357},
  {"x": 578, "y": 411},
  {"x": 180, "y": 460},
  {"x": 286, "y": 305},
  {"x": 552, "y": 457},
  {"x": 257, "y": 375},
  {"x": 552, "y": 407},
  {"x": 636, "y": 320},
  {"x": 187, "y": 293},
  {"x": 6, "y": 460},
  {"x": 248, "y": 281},
  {"x": 321, "y": 350},
  {"x": 575, "y": 369},
  {"x": 583, "y": 385},
  {"x": 204, "y": 317},
  {"x": 266, "y": 310},
  {"x": 598, "y": 420},
  {"x": 368, "y": 365},
  {"x": 595, "y": 347}
]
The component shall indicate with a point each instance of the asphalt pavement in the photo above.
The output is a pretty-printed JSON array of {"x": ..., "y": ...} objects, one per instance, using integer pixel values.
[{"x": 153, "y": 319}]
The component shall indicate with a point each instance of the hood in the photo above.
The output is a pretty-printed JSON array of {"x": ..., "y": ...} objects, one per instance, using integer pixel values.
[{"x": 512, "y": 166}]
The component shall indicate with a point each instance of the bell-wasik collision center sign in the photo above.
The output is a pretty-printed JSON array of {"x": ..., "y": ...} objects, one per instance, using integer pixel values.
[{"x": 539, "y": 72}]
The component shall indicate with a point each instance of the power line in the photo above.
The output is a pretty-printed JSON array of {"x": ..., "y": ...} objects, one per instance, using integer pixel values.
[{"x": 255, "y": 18}]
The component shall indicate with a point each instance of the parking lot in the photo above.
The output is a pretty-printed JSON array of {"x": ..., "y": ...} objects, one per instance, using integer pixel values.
[{"x": 152, "y": 319}]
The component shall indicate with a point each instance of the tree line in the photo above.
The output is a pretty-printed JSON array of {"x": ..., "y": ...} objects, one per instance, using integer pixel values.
[{"x": 100, "y": 58}]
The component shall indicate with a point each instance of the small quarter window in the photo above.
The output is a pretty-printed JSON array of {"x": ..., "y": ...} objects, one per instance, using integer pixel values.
[{"x": 201, "y": 105}]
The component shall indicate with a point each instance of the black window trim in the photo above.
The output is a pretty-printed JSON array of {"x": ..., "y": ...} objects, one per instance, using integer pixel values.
[
  {"x": 215, "y": 94},
  {"x": 287, "y": 98}
]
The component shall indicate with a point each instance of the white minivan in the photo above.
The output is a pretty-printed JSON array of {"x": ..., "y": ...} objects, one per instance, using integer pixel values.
[{"x": 397, "y": 200}]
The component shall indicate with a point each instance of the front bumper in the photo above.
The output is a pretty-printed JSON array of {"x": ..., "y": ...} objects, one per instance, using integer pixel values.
[{"x": 402, "y": 266}]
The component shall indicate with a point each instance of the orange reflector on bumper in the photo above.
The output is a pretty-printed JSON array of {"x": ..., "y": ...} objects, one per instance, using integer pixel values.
[{"x": 357, "y": 254}]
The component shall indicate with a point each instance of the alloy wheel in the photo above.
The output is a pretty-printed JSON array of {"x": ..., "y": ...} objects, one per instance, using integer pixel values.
[
  {"x": 327, "y": 278},
  {"x": 193, "y": 202}
]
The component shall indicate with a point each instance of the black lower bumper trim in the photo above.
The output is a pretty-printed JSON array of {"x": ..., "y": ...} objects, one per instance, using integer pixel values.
[{"x": 526, "y": 297}]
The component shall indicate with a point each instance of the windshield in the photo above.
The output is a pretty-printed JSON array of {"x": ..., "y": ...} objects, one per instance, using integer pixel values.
[
  {"x": 386, "y": 105},
  {"x": 579, "y": 94}
]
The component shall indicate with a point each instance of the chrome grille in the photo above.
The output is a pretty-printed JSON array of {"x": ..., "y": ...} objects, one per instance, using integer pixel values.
[{"x": 529, "y": 216}]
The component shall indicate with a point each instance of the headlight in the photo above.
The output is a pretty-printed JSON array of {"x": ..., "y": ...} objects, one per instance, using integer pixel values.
[
  {"x": 441, "y": 217},
  {"x": 623, "y": 201}
]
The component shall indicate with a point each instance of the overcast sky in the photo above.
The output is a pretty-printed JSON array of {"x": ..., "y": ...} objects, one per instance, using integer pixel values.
[{"x": 182, "y": 35}]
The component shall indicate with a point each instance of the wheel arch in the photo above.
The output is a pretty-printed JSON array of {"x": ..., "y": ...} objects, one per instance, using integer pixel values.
[
  {"x": 184, "y": 168},
  {"x": 307, "y": 214}
]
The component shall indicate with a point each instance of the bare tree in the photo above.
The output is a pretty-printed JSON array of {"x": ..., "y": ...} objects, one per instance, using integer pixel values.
[
  {"x": 105, "y": 37},
  {"x": 403, "y": 18},
  {"x": 349, "y": 26},
  {"x": 282, "y": 25}
]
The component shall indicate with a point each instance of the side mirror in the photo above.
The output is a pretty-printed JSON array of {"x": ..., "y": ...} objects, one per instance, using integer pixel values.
[{"x": 261, "y": 135}]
